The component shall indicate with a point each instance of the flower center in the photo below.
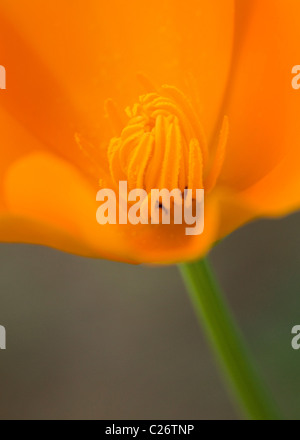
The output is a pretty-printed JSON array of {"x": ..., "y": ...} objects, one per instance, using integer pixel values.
[{"x": 164, "y": 145}]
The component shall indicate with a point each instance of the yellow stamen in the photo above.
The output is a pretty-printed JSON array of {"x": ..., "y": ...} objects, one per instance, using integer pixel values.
[
  {"x": 164, "y": 145},
  {"x": 195, "y": 165},
  {"x": 187, "y": 107},
  {"x": 171, "y": 163},
  {"x": 114, "y": 162},
  {"x": 152, "y": 175},
  {"x": 139, "y": 161}
]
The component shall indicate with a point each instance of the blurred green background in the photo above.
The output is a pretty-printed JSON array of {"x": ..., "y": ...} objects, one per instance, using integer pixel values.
[{"x": 90, "y": 339}]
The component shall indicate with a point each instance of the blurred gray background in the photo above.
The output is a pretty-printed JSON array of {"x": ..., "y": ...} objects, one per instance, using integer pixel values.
[{"x": 90, "y": 339}]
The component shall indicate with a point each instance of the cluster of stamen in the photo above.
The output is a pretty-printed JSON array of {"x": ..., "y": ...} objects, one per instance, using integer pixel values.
[{"x": 164, "y": 145}]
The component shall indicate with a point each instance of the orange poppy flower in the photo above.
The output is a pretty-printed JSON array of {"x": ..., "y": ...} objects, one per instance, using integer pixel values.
[{"x": 222, "y": 72}]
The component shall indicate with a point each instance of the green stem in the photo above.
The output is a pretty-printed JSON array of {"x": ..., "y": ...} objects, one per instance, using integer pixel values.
[{"x": 227, "y": 342}]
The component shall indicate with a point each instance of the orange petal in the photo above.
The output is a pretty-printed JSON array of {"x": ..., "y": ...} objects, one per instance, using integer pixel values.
[
  {"x": 22, "y": 229},
  {"x": 63, "y": 63},
  {"x": 43, "y": 190},
  {"x": 48, "y": 202},
  {"x": 15, "y": 142},
  {"x": 168, "y": 244},
  {"x": 36, "y": 99},
  {"x": 65, "y": 60},
  {"x": 278, "y": 193},
  {"x": 262, "y": 107}
]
